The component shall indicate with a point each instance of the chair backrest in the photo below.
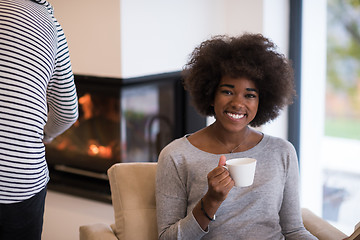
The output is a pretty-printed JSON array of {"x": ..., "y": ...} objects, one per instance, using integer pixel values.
[{"x": 133, "y": 198}]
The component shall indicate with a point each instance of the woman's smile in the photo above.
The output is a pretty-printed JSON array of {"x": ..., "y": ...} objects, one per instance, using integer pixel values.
[
  {"x": 236, "y": 103},
  {"x": 235, "y": 116}
]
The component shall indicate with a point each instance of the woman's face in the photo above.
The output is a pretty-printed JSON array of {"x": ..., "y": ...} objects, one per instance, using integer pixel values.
[{"x": 236, "y": 103}]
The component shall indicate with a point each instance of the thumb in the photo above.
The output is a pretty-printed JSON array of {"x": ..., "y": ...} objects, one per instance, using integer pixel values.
[{"x": 222, "y": 161}]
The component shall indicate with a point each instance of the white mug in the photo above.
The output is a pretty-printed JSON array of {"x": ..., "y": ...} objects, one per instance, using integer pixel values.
[{"x": 242, "y": 171}]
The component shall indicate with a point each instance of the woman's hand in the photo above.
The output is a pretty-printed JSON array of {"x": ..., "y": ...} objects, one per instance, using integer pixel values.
[{"x": 220, "y": 184}]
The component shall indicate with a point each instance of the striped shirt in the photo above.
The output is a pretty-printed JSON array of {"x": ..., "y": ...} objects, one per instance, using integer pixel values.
[{"x": 38, "y": 98}]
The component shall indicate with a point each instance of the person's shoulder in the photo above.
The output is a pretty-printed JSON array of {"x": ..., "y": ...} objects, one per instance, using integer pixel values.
[
  {"x": 278, "y": 142},
  {"x": 282, "y": 148},
  {"x": 45, "y": 4},
  {"x": 175, "y": 146},
  {"x": 176, "y": 143},
  {"x": 174, "y": 154}
]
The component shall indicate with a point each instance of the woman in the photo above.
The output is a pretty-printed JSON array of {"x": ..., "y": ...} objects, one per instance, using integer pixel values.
[{"x": 242, "y": 82}]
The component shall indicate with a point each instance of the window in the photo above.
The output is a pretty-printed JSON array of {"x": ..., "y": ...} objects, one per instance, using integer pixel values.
[
  {"x": 341, "y": 195},
  {"x": 330, "y": 111}
]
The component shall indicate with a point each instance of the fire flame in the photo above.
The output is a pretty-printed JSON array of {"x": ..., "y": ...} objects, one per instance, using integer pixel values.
[{"x": 101, "y": 151}]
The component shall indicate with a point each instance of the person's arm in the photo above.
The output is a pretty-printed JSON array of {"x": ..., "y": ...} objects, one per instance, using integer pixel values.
[
  {"x": 171, "y": 200},
  {"x": 290, "y": 212},
  {"x": 174, "y": 222},
  {"x": 61, "y": 92},
  {"x": 219, "y": 186}
]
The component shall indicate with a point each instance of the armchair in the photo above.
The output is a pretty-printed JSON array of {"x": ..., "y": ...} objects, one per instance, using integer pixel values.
[{"x": 133, "y": 198}]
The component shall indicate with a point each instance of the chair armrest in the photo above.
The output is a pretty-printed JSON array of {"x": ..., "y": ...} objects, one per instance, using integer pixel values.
[
  {"x": 319, "y": 227},
  {"x": 97, "y": 232}
]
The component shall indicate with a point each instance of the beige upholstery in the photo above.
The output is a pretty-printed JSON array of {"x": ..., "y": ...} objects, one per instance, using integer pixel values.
[
  {"x": 133, "y": 196},
  {"x": 97, "y": 231},
  {"x": 320, "y": 228}
]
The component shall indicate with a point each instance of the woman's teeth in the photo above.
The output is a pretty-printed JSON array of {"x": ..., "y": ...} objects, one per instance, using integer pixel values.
[{"x": 235, "y": 116}]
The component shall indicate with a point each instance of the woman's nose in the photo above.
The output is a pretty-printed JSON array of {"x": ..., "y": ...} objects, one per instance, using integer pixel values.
[{"x": 237, "y": 102}]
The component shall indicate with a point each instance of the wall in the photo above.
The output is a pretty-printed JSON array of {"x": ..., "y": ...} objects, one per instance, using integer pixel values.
[
  {"x": 130, "y": 38},
  {"x": 160, "y": 35},
  {"x": 93, "y": 33}
]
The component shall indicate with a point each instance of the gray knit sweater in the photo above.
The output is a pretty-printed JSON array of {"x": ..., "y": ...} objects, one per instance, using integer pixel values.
[{"x": 269, "y": 209}]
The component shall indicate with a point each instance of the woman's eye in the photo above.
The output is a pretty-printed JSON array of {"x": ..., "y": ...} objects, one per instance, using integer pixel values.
[
  {"x": 250, "y": 95},
  {"x": 227, "y": 92}
]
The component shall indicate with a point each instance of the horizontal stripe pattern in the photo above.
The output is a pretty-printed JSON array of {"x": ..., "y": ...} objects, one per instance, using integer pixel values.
[{"x": 38, "y": 99}]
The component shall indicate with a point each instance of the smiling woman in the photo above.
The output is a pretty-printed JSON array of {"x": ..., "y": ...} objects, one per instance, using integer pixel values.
[
  {"x": 235, "y": 106},
  {"x": 242, "y": 81},
  {"x": 250, "y": 56}
]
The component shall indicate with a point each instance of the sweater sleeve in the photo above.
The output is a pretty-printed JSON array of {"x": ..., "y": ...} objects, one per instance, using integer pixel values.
[
  {"x": 290, "y": 212},
  {"x": 61, "y": 92},
  {"x": 174, "y": 222}
]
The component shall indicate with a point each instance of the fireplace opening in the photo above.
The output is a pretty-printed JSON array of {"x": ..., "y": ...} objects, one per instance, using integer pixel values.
[{"x": 120, "y": 120}]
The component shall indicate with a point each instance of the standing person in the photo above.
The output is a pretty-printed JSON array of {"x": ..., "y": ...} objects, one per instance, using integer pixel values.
[
  {"x": 38, "y": 101},
  {"x": 242, "y": 82}
]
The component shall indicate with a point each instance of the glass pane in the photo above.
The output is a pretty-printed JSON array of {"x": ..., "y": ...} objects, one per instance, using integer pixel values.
[
  {"x": 341, "y": 195},
  {"x": 147, "y": 121},
  {"x": 93, "y": 142}
]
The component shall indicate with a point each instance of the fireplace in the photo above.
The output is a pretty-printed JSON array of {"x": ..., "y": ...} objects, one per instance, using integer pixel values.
[{"x": 120, "y": 120}]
